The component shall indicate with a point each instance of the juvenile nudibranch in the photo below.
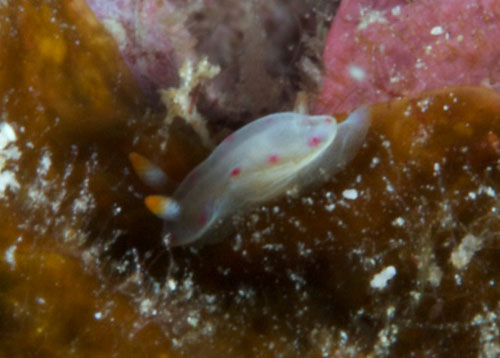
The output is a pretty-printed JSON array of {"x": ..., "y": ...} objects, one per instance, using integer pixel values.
[{"x": 255, "y": 164}]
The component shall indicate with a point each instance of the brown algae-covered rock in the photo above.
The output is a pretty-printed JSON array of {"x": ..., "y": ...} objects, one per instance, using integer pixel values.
[{"x": 397, "y": 256}]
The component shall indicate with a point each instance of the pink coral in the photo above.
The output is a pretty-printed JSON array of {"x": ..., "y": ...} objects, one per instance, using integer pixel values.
[
  {"x": 378, "y": 50},
  {"x": 149, "y": 34}
]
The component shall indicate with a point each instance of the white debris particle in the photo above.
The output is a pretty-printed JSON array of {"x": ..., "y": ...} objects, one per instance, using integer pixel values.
[
  {"x": 357, "y": 73},
  {"x": 374, "y": 162},
  {"x": 437, "y": 169},
  {"x": 395, "y": 79},
  {"x": 10, "y": 257},
  {"x": 369, "y": 17},
  {"x": 330, "y": 207},
  {"x": 472, "y": 195},
  {"x": 389, "y": 312},
  {"x": 350, "y": 194},
  {"x": 7, "y": 152},
  {"x": 419, "y": 63},
  {"x": 460, "y": 38},
  {"x": 8, "y": 180},
  {"x": 423, "y": 104},
  {"x": 458, "y": 279},
  {"x": 396, "y": 10},
  {"x": 437, "y": 30},
  {"x": 434, "y": 275},
  {"x": 386, "y": 338},
  {"x": 45, "y": 164},
  {"x": 461, "y": 256},
  {"x": 98, "y": 316},
  {"x": 446, "y": 107},
  {"x": 488, "y": 190},
  {"x": 192, "y": 321},
  {"x": 172, "y": 284},
  {"x": 416, "y": 295},
  {"x": 146, "y": 308},
  {"x": 399, "y": 222},
  {"x": 489, "y": 334},
  {"x": 7, "y": 135},
  {"x": 379, "y": 281},
  {"x": 40, "y": 300}
]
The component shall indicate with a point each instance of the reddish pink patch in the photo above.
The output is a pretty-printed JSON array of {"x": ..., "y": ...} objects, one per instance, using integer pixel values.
[
  {"x": 273, "y": 159},
  {"x": 230, "y": 138},
  {"x": 235, "y": 172},
  {"x": 314, "y": 141},
  {"x": 202, "y": 219},
  {"x": 328, "y": 120},
  {"x": 461, "y": 54}
]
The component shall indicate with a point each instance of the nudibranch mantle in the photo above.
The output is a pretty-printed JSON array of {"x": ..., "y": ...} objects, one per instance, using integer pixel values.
[{"x": 257, "y": 163}]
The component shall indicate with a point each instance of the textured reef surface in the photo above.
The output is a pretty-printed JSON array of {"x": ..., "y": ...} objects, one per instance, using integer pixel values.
[
  {"x": 377, "y": 50},
  {"x": 397, "y": 256}
]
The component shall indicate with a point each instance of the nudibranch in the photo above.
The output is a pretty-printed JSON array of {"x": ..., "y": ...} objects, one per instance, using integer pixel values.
[{"x": 257, "y": 163}]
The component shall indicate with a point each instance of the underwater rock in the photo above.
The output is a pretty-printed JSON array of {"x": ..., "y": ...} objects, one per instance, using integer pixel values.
[
  {"x": 264, "y": 48},
  {"x": 377, "y": 51},
  {"x": 397, "y": 256}
]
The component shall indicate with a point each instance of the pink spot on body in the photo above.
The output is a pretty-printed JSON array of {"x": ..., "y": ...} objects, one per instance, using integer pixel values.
[
  {"x": 328, "y": 120},
  {"x": 230, "y": 138},
  {"x": 203, "y": 219},
  {"x": 273, "y": 159},
  {"x": 314, "y": 141},
  {"x": 235, "y": 172}
]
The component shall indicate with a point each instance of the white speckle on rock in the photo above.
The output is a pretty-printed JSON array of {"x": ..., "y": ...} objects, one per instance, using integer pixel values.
[
  {"x": 192, "y": 321},
  {"x": 489, "y": 333},
  {"x": 356, "y": 73},
  {"x": 369, "y": 17},
  {"x": 146, "y": 308},
  {"x": 399, "y": 222},
  {"x": 98, "y": 316},
  {"x": 423, "y": 104},
  {"x": 374, "y": 162},
  {"x": 7, "y": 152},
  {"x": 461, "y": 256},
  {"x": 396, "y": 10},
  {"x": 330, "y": 207},
  {"x": 437, "y": 169},
  {"x": 7, "y": 135},
  {"x": 10, "y": 257},
  {"x": 488, "y": 190},
  {"x": 437, "y": 30},
  {"x": 379, "y": 281},
  {"x": 350, "y": 194},
  {"x": 44, "y": 165},
  {"x": 8, "y": 180}
]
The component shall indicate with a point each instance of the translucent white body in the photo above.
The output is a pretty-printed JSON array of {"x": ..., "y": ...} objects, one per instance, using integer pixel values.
[{"x": 259, "y": 162}]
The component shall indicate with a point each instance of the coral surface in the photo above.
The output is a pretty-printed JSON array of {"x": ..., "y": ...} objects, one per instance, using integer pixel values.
[{"x": 377, "y": 50}]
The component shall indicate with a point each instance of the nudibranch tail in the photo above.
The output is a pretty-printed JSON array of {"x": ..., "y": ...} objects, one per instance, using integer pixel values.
[
  {"x": 164, "y": 207},
  {"x": 351, "y": 134},
  {"x": 148, "y": 172}
]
